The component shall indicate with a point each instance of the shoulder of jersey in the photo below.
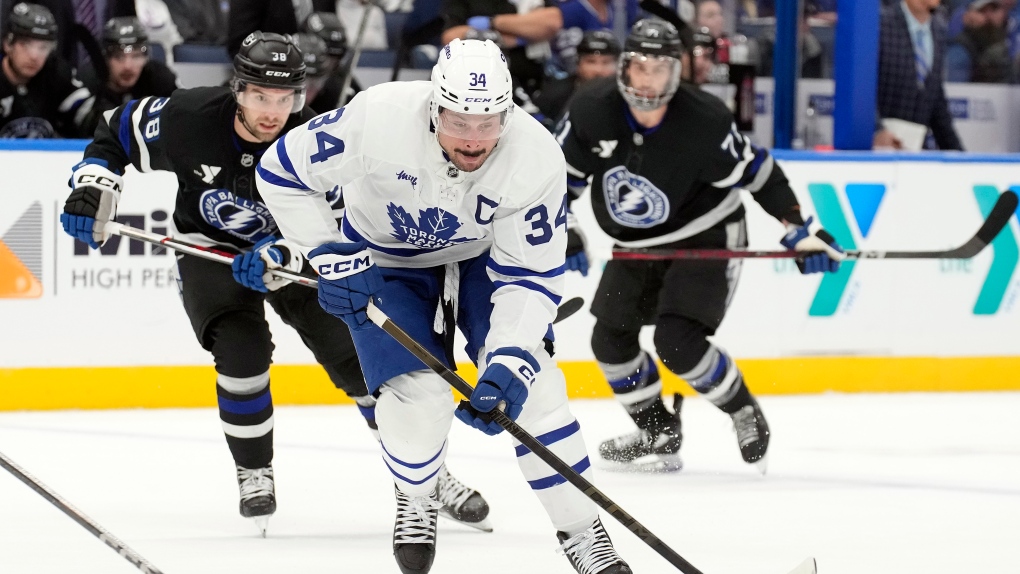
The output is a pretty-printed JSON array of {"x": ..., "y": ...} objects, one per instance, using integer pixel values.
[
  {"x": 591, "y": 99},
  {"x": 401, "y": 94},
  {"x": 701, "y": 105}
]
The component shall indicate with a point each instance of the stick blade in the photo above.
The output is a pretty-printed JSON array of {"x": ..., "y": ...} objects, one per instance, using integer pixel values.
[
  {"x": 806, "y": 567},
  {"x": 568, "y": 308},
  {"x": 998, "y": 218}
]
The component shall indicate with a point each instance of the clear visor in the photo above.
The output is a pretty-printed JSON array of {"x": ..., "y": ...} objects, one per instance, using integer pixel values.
[
  {"x": 270, "y": 100},
  {"x": 474, "y": 127},
  {"x": 648, "y": 81}
]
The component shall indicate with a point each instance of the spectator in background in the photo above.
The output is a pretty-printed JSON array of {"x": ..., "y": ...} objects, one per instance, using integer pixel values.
[
  {"x": 129, "y": 73},
  {"x": 201, "y": 21},
  {"x": 911, "y": 59},
  {"x": 597, "y": 56},
  {"x": 821, "y": 10},
  {"x": 981, "y": 52},
  {"x": 39, "y": 95},
  {"x": 526, "y": 68},
  {"x": 710, "y": 15},
  {"x": 277, "y": 16}
]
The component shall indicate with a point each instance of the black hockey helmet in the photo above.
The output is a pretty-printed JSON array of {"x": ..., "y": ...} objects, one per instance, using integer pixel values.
[
  {"x": 30, "y": 21},
  {"x": 703, "y": 37},
  {"x": 125, "y": 34},
  {"x": 327, "y": 25},
  {"x": 271, "y": 61},
  {"x": 651, "y": 40},
  {"x": 313, "y": 48},
  {"x": 599, "y": 42},
  {"x": 654, "y": 37}
]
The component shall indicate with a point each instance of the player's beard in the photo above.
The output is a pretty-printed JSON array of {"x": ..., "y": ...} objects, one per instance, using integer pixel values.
[
  {"x": 253, "y": 129},
  {"x": 458, "y": 160}
]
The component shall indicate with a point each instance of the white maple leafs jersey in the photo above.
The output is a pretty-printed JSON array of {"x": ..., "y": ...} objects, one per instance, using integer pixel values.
[{"x": 413, "y": 208}]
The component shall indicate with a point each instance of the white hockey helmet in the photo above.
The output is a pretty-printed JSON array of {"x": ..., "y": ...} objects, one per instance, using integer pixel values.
[{"x": 471, "y": 78}]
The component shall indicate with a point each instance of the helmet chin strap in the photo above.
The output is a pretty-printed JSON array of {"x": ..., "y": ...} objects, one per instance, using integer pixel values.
[{"x": 244, "y": 122}]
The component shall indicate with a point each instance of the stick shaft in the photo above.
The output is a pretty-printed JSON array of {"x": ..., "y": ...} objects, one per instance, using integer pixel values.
[{"x": 78, "y": 516}]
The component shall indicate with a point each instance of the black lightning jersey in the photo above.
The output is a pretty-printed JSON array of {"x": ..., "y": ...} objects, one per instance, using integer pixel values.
[
  {"x": 192, "y": 134},
  {"x": 653, "y": 186}
]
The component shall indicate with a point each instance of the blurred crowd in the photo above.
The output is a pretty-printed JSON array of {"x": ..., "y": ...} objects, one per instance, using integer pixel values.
[{"x": 65, "y": 62}]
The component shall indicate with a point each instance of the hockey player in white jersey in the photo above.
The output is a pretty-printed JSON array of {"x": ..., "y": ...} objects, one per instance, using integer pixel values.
[{"x": 455, "y": 215}]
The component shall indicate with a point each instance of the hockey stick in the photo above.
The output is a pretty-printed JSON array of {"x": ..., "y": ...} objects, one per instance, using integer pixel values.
[
  {"x": 588, "y": 489},
  {"x": 358, "y": 43},
  {"x": 568, "y": 308},
  {"x": 998, "y": 218},
  {"x": 78, "y": 516}
]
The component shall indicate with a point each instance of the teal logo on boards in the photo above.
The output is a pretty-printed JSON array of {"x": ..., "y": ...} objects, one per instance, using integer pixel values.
[{"x": 864, "y": 201}]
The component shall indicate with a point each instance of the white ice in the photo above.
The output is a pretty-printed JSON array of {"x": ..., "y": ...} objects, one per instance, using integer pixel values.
[{"x": 898, "y": 484}]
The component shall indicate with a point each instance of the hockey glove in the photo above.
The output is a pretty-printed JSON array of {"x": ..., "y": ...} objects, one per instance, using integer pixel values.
[
  {"x": 506, "y": 380},
  {"x": 92, "y": 203},
  {"x": 824, "y": 254},
  {"x": 347, "y": 279},
  {"x": 577, "y": 247},
  {"x": 251, "y": 268}
]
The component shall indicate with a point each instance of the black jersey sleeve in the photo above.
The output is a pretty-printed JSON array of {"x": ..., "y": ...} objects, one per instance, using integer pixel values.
[
  {"x": 736, "y": 162},
  {"x": 74, "y": 102},
  {"x": 581, "y": 162},
  {"x": 134, "y": 134}
]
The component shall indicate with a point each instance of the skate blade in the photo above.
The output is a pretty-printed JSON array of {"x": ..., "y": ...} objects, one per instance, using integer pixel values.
[
  {"x": 262, "y": 522},
  {"x": 762, "y": 464},
  {"x": 806, "y": 567},
  {"x": 652, "y": 464},
  {"x": 484, "y": 525}
]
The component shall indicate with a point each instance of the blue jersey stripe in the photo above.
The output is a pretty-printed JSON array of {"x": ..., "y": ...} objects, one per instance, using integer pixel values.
[
  {"x": 511, "y": 271},
  {"x": 274, "y": 179},
  {"x": 281, "y": 152},
  {"x": 557, "y": 479},
  {"x": 551, "y": 437},
  {"x": 124, "y": 133},
  {"x": 529, "y": 285}
]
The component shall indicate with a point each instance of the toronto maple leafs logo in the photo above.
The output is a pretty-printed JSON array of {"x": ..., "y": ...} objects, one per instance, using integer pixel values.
[{"x": 434, "y": 228}]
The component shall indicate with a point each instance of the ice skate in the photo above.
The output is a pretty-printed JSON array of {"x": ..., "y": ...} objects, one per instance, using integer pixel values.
[
  {"x": 461, "y": 503},
  {"x": 592, "y": 552},
  {"x": 258, "y": 495},
  {"x": 752, "y": 435},
  {"x": 414, "y": 533},
  {"x": 647, "y": 450}
]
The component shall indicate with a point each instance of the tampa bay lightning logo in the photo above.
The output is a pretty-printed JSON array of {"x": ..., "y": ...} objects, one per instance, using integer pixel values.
[
  {"x": 240, "y": 217},
  {"x": 335, "y": 197},
  {"x": 632, "y": 200},
  {"x": 434, "y": 228}
]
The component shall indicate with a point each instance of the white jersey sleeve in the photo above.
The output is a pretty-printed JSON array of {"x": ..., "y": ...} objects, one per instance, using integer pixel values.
[
  {"x": 308, "y": 163},
  {"x": 526, "y": 265}
]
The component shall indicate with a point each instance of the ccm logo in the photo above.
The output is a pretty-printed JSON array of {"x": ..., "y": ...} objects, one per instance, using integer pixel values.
[
  {"x": 100, "y": 180},
  {"x": 345, "y": 267},
  {"x": 479, "y": 100},
  {"x": 274, "y": 73}
]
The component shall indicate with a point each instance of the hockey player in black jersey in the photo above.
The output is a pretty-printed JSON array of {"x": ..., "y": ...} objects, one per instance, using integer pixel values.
[
  {"x": 39, "y": 95},
  {"x": 666, "y": 163},
  {"x": 212, "y": 139}
]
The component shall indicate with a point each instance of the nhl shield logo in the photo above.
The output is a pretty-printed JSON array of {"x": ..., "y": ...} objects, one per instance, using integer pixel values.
[
  {"x": 632, "y": 200},
  {"x": 247, "y": 160}
]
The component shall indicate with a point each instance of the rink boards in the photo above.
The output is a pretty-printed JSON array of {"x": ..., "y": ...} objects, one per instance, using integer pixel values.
[{"x": 85, "y": 329}]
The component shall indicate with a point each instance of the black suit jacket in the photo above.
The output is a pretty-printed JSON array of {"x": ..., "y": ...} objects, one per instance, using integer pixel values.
[{"x": 898, "y": 93}]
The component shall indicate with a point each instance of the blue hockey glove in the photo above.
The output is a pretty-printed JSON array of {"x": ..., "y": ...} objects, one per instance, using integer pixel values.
[
  {"x": 823, "y": 253},
  {"x": 480, "y": 22},
  {"x": 347, "y": 279},
  {"x": 506, "y": 379},
  {"x": 91, "y": 204},
  {"x": 577, "y": 247},
  {"x": 251, "y": 268}
]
